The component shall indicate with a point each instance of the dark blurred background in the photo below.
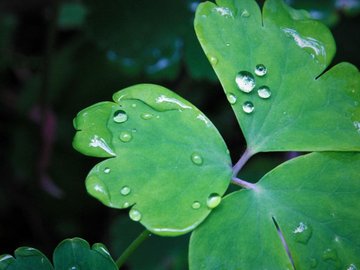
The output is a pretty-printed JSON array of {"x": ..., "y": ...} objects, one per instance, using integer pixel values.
[{"x": 57, "y": 57}]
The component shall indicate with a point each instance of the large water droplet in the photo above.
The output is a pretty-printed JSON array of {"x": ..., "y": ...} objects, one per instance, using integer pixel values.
[
  {"x": 196, "y": 205},
  {"x": 352, "y": 267},
  {"x": 330, "y": 254},
  {"x": 135, "y": 215},
  {"x": 260, "y": 70},
  {"x": 107, "y": 170},
  {"x": 125, "y": 190},
  {"x": 120, "y": 116},
  {"x": 248, "y": 107},
  {"x": 213, "y": 200},
  {"x": 231, "y": 98},
  {"x": 302, "y": 233},
  {"x": 146, "y": 116},
  {"x": 125, "y": 136},
  {"x": 264, "y": 92},
  {"x": 245, "y": 81},
  {"x": 196, "y": 159},
  {"x": 213, "y": 60}
]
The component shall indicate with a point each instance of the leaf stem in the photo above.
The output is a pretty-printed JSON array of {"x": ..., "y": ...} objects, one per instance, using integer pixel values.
[
  {"x": 132, "y": 247},
  {"x": 243, "y": 183},
  {"x": 243, "y": 159}
]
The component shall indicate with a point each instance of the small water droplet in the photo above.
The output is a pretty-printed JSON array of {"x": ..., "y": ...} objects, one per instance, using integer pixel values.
[
  {"x": 125, "y": 136},
  {"x": 357, "y": 125},
  {"x": 213, "y": 60},
  {"x": 245, "y": 13},
  {"x": 330, "y": 254},
  {"x": 264, "y": 92},
  {"x": 196, "y": 205},
  {"x": 260, "y": 70},
  {"x": 231, "y": 98},
  {"x": 313, "y": 263},
  {"x": 126, "y": 204},
  {"x": 146, "y": 116},
  {"x": 302, "y": 233},
  {"x": 133, "y": 105},
  {"x": 74, "y": 267},
  {"x": 245, "y": 81},
  {"x": 227, "y": 44},
  {"x": 125, "y": 190},
  {"x": 120, "y": 116},
  {"x": 196, "y": 159},
  {"x": 248, "y": 107},
  {"x": 107, "y": 170},
  {"x": 213, "y": 200},
  {"x": 352, "y": 267},
  {"x": 135, "y": 215}
]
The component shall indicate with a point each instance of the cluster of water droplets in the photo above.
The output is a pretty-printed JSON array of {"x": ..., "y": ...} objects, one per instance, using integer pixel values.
[
  {"x": 212, "y": 201},
  {"x": 246, "y": 83}
]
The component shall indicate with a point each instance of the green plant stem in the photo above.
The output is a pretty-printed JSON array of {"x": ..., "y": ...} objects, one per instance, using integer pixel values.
[
  {"x": 133, "y": 246},
  {"x": 243, "y": 159}
]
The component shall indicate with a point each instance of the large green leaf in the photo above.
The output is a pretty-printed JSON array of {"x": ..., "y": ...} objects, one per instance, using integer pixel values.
[
  {"x": 71, "y": 254},
  {"x": 168, "y": 160},
  {"x": 304, "y": 112},
  {"x": 315, "y": 200}
]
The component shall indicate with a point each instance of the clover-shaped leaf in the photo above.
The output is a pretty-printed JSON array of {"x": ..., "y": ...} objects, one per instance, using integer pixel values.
[
  {"x": 271, "y": 66},
  {"x": 168, "y": 162},
  {"x": 313, "y": 200},
  {"x": 70, "y": 254}
]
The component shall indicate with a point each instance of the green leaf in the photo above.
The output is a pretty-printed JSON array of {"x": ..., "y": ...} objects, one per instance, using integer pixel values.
[
  {"x": 168, "y": 160},
  {"x": 314, "y": 200},
  {"x": 305, "y": 111},
  {"x": 76, "y": 254},
  {"x": 26, "y": 258},
  {"x": 70, "y": 254},
  {"x": 72, "y": 15}
]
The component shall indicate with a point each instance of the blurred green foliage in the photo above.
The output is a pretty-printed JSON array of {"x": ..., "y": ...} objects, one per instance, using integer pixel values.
[{"x": 101, "y": 46}]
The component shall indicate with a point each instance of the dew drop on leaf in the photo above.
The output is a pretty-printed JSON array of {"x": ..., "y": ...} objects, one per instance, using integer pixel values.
[
  {"x": 248, "y": 107},
  {"x": 125, "y": 136},
  {"x": 352, "y": 267},
  {"x": 245, "y": 13},
  {"x": 97, "y": 188},
  {"x": 264, "y": 92},
  {"x": 245, "y": 81},
  {"x": 231, "y": 98},
  {"x": 260, "y": 70},
  {"x": 125, "y": 190},
  {"x": 126, "y": 204},
  {"x": 302, "y": 233},
  {"x": 213, "y": 60},
  {"x": 330, "y": 254},
  {"x": 107, "y": 170},
  {"x": 196, "y": 159},
  {"x": 196, "y": 205},
  {"x": 120, "y": 116},
  {"x": 135, "y": 215},
  {"x": 74, "y": 267},
  {"x": 146, "y": 116},
  {"x": 213, "y": 200}
]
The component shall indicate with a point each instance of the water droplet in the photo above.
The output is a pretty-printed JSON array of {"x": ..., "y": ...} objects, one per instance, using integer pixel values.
[
  {"x": 120, "y": 116},
  {"x": 125, "y": 190},
  {"x": 352, "y": 267},
  {"x": 357, "y": 125},
  {"x": 196, "y": 159},
  {"x": 302, "y": 233},
  {"x": 264, "y": 92},
  {"x": 146, "y": 116},
  {"x": 196, "y": 205},
  {"x": 313, "y": 263},
  {"x": 213, "y": 60},
  {"x": 245, "y": 81},
  {"x": 260, "y": 70},
  {"x": 224, "y": 11},
  {"x": 213, "y": 200},
  {"x": 133, "y": 105},
  {"x": 245, "y": 13},
  {"x": 330, "y": 254},
  {"x": 231, "y": 98},
  {"x": 125, "y": 136},
  {"x": 135, "y": 215},
  {"x": 107, "y": 170},
  {"x": 227, "y": 44},
  {"x": 97, "y": 188},
  {"x": 75, "y": 267},
  {"x": 126, "y": 204},
  {"x": 248, "y": 107}
]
